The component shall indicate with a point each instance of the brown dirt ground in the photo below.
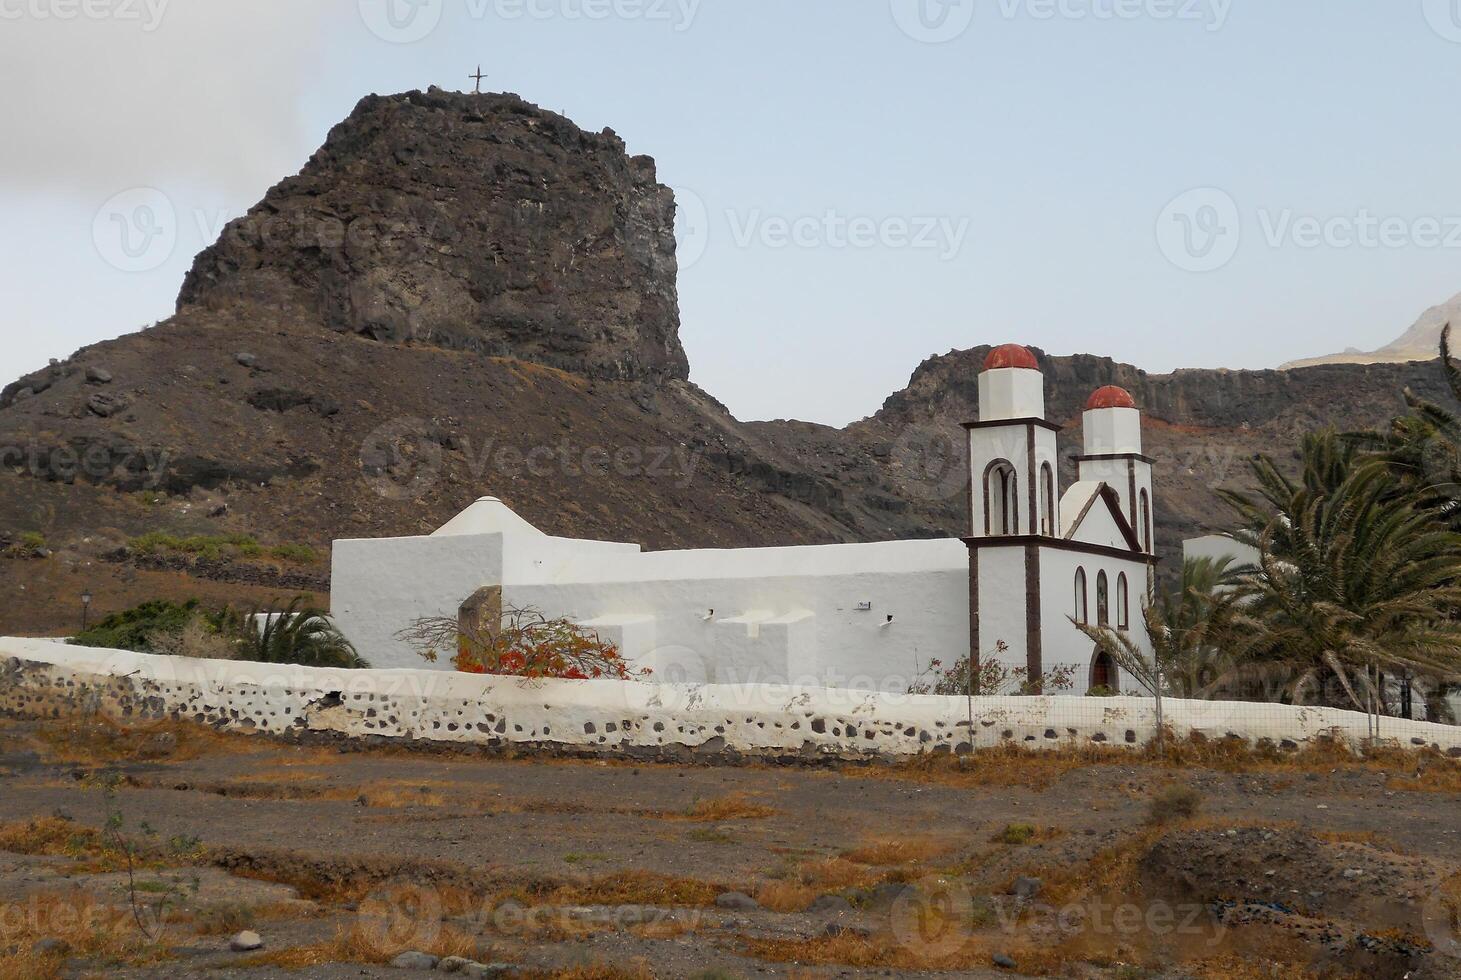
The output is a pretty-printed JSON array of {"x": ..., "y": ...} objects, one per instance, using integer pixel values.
[{"x": 1319, "y": 866}]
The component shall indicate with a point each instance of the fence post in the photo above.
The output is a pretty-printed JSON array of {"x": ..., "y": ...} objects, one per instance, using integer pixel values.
[{"x": 1161, "y": 724}]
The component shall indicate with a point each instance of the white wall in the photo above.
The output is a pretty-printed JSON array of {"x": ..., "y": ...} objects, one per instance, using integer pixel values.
[
  {"x": 379, "y": 587},
  {"x": 39, "y": 678},
  {"x": 780, "y": 614}
]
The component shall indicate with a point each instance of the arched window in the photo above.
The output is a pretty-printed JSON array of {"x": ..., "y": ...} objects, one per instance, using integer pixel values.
[
  {"x": 1123, "y": 600},
  {"x": 1082, "y": 610},
  {"x": 1103, "y": 600},
  {"x": 1001, "y": 499},
  {"x": 1146, "y": 523},
  {"x": 1047, "y": 491}
]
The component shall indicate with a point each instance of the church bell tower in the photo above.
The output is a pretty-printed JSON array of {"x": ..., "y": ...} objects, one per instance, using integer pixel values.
[{"x": 1014, "y": 481}]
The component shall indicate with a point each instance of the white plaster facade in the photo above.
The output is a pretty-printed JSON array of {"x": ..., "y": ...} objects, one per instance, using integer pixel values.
[{"x": 860, "y": 616}]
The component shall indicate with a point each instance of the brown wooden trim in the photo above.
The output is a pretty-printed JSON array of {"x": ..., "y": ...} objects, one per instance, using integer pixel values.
[
  {"x": 975, "y": 650},
  {"x": 995, "y": 423},
  {"x": 1102, "y": 457},
  {"x": 1062, "y": 544},
  {"x": 1034, "y": 486},
  {"x": 1034, "y": 651},
  {"x": 1131, "y": 475}
]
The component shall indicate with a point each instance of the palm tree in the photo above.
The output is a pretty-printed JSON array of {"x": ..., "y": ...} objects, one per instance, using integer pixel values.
[
  {"x": 1353, "y": 577},
  {"x": 1423, "y": 447},
  {"x": 1188, "y": 629},
  {"x": 300, "y": 635}
]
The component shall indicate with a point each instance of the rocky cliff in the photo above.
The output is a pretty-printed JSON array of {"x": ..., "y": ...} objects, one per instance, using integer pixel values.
[{"x": 470, "y": 222}]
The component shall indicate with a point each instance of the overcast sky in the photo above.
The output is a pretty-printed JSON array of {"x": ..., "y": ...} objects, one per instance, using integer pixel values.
[{"x": 1173, "y": 183}]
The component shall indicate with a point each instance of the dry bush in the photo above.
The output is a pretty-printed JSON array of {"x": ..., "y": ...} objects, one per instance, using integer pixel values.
[
  {"x": 1175, "y": 802},
  {"x": 786, "y": 896},
  {"x": 197, "y": 639},
  {"x": 890, "y": 851}
]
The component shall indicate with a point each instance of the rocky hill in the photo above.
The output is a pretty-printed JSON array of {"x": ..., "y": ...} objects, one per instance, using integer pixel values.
[
  {"x": 462, "y": 295},
  {"x": 1418, "y": 343}
]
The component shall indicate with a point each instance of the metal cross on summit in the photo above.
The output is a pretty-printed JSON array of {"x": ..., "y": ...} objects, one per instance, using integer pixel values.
[{"x": 478, "y": 77}]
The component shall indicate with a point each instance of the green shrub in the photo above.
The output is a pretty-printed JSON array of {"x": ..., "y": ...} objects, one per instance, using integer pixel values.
[
  {"x": 132, "y": 629},
  {"x": 1016, "y": 834},
  {"x": 300, "y": 553}
]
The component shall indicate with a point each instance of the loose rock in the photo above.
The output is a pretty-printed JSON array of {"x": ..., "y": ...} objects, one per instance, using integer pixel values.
[
  {"x": 98, "y": 376},
  {"x": 736, "y": 900},
  {"x": 415, "y": 961},
  {"x": 246, "y": 942}
]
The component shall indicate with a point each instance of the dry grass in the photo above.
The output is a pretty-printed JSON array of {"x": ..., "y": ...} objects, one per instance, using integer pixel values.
[
  {"x": 734, "y": 807},
  {"x": 88, "y": 927},
  {"x": 884, "y": 951},
  {"x": 1014, "y": 765},
  {"x": 99, "y": 741},
  {"x": 598, "y": 971},
  {"x": 786, "y": 896},
  {"x": 889, "y": 851},
  {"x": 54, "y": 837},
  {"x": 359, "y": 944},
  {"x": 634, "y": 888}
]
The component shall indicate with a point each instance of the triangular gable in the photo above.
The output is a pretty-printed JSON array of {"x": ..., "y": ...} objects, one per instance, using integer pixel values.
[{"x": 1091, "y": 514}]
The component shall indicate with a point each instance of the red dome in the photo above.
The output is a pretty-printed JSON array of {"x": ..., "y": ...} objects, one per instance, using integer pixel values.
[
  {"x": 1111, "y": 397},
  {"x": 1011, "y": 356}
]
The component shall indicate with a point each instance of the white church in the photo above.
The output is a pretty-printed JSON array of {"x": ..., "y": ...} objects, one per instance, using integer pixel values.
[{"x": 859, "y": 616}]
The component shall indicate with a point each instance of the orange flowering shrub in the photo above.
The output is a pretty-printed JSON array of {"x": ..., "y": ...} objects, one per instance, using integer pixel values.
[{"x": 527, "y": 644}]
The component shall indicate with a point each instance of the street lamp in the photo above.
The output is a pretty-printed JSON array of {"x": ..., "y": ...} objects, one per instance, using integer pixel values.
[{"x": 85, "y": 608}]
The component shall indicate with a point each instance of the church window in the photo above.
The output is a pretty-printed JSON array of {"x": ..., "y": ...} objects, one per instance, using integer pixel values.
[
  {"x": 1001, "y": 499},
  {"x": 1146, "y": 523},
  {"x": 1123, "y": 600},
  {"x": 1047, "y": 488},
  {"x": 1103, "y": 600},
  {"x": 1082, "y": 610}
]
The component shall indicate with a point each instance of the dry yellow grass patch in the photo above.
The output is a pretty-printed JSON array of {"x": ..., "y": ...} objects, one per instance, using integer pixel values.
[
  {"x": 95, "y": 740},
  {"x": 734, "y": 807},
  {"x": 54, "y": 837},
  {"x": 356, "y": 944},
  {"x": 631, "y": 888},
  {"x": 889, "y": 851},
  {"x": 662, "y": 929},
  {"x": 786, "y": 896}
]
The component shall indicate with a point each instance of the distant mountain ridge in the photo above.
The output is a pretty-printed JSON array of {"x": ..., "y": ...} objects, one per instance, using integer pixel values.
[{"x": 1420, "y": 343}]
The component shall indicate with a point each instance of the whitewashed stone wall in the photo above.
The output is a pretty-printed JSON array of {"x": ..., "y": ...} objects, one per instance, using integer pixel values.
[{"x": 40, "y": 678}]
